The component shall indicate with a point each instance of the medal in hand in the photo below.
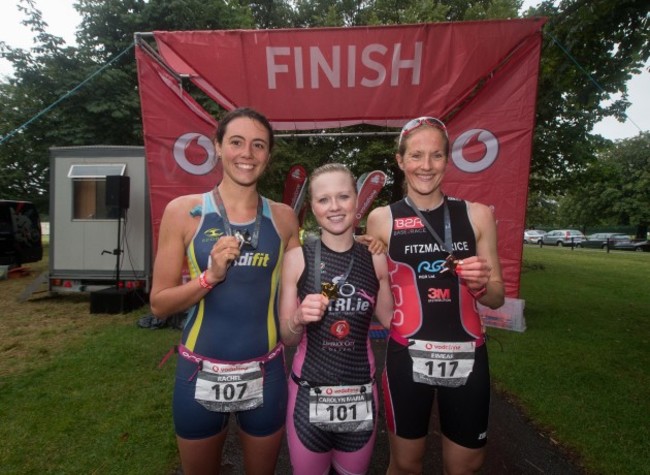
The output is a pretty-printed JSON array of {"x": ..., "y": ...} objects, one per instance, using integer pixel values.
[
  {"x": 450, "y": 265},
  {"x": 243, "y": 238},
  {"x": 329, "y": 290}
]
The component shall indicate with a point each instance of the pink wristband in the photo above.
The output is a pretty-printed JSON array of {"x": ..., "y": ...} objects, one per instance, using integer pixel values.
[{"x": 203, "y": 281}]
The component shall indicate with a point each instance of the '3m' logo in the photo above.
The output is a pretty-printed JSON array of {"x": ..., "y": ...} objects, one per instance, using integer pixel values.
[{"x": 439, "y": 295}]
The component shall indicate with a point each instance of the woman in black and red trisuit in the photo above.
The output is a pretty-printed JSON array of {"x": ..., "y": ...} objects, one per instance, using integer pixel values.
[{"x": 442, "y": 259}]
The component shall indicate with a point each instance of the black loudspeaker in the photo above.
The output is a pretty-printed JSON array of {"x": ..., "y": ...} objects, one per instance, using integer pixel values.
[
  {"x": 115, "y": 300},
  {"x": 117, "y": 191}
]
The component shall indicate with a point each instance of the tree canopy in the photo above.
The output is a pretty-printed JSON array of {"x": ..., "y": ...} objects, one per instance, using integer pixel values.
[
  {"x": 613, "y": 189},
  {"x": 591, "y": 49}
]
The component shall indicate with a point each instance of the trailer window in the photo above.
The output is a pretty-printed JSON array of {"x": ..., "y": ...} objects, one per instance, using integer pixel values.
[
  {"x": 89, "y": 190},
  {"x": 96, "y": 170}
]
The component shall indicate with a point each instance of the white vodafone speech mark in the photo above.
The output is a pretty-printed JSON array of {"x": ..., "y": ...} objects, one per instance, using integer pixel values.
[
  {"x": 179, "y": 153},
  {"x": 491, "y": 145}
]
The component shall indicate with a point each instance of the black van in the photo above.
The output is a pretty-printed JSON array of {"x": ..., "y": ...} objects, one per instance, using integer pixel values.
[{"x": 20, "y": 233}]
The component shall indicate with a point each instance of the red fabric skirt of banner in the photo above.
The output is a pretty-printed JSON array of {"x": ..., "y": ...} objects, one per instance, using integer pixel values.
[{"x": 479, "y": 76}]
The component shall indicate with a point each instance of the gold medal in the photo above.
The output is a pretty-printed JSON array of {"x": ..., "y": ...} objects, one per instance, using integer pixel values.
[{"x": 329, "y": 290}]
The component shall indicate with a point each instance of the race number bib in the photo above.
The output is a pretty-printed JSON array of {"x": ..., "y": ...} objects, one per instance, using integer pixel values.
[
  {"x": 223, "y": 387},
  {"x": 341, "y": 408},
  {"x": 438, "y": 363}
]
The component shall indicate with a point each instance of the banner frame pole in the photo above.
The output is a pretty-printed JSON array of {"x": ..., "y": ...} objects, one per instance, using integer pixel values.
[{"x": 337, "y": 134}]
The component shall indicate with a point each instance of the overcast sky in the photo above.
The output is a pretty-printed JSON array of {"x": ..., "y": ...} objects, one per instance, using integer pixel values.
[{"x": 63, "y": 20}]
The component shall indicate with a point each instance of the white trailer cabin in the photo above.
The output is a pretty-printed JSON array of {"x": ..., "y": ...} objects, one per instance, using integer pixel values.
[{"x": 85, "y": 220}]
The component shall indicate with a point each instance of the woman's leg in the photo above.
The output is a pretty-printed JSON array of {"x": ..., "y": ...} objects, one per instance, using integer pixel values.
[
  {"x": 202, "y": 456},
  {"x": 353, "y": 450},
  {"x": 408, "y": 407},
  {"x": 261, "y": 453},
  {"x": 200, "y": 433},
  {"x": 459, "y": 460},
  {"x": 305, "y": 461},
  {"x": 406, "y": 455},
  {"x": 261, "y": 429},
  {"x": 464, "y": 417}
]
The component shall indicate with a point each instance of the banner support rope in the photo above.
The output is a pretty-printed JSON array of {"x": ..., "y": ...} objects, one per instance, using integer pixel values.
[
  {"x": 586, "y": 73},
  {"x": 65, "y": 96}
]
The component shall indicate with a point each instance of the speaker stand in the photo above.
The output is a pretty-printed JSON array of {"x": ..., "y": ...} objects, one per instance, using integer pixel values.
[
  {"x": 118, "y": 250},
  {"x": 116, "y": 299}
]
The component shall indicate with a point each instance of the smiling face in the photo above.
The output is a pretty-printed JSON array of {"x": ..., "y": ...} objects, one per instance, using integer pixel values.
[
  {"x": 244, "y": 150},
  {"x": 424, "y": 161},
  {"x": 334, "y": 201}
]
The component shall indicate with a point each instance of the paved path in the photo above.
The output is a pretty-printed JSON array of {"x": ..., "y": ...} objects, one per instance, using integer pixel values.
[{"x": 514, "y": 446}]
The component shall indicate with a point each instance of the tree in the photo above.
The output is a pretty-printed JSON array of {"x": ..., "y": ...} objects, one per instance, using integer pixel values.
[
  {"x": 610, "y": 41},
  {"x": 542, "y": 211},
  {"x": 615, "y": 188},
  {"x": 24, "y": 159},
  {"x": 106, "y": 112},
  {"x": 269, "y": 14}
]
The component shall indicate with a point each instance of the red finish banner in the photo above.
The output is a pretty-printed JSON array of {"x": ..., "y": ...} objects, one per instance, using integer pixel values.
[
  {"x": 178, "y": 132},
  {"x": 491, "y": 144},
  {"x": 334, "y": 77},
  {"x": 480, "y": 77}
]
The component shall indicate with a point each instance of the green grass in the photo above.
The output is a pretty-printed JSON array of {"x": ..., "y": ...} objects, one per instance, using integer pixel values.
[
  {"x": 581, "y": 369},
  {"x": 101, "y": 407}
]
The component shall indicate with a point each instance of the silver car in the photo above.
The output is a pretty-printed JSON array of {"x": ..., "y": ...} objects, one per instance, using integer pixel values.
[
  {"x": 533, "y": 236},
  {"x": 563, "y": 237}
]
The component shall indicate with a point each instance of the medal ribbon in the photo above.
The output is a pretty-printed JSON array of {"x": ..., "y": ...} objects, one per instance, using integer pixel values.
[
  {"x": 447, "y": 244},
  {"x": 226, "y": 223}
]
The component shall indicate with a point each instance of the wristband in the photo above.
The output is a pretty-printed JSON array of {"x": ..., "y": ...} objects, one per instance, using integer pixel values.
[
  {"x": 204, "y": 282},
  {"x": 292, "y": 330},
  {"x": 477, "y": 294}
]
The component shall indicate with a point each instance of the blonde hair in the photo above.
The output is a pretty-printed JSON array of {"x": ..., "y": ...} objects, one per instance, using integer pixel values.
[{"x": 331, "y": 168}]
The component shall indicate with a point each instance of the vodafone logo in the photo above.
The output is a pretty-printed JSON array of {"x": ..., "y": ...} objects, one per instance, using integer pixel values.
[
  {"x": 475, "y": 139},
  {"x": 194, "y": 153}
]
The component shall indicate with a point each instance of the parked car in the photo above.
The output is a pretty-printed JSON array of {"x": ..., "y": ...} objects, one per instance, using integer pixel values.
[
  {"x": 640, "y": 246},
  {"x": 563, "y": 237},
  {"x": 20, "y": 233},
  {"x": 533, "y": 236},
  {"x": 602, "y": 240}
]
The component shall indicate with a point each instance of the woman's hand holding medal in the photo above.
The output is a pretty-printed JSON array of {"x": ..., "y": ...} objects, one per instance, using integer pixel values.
[
  {"x": 311, "y": 309},
  {"x": 329, "y": 290},
  {"x": 475, "y": 271},
  {"x": 223, "y": 254}
]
